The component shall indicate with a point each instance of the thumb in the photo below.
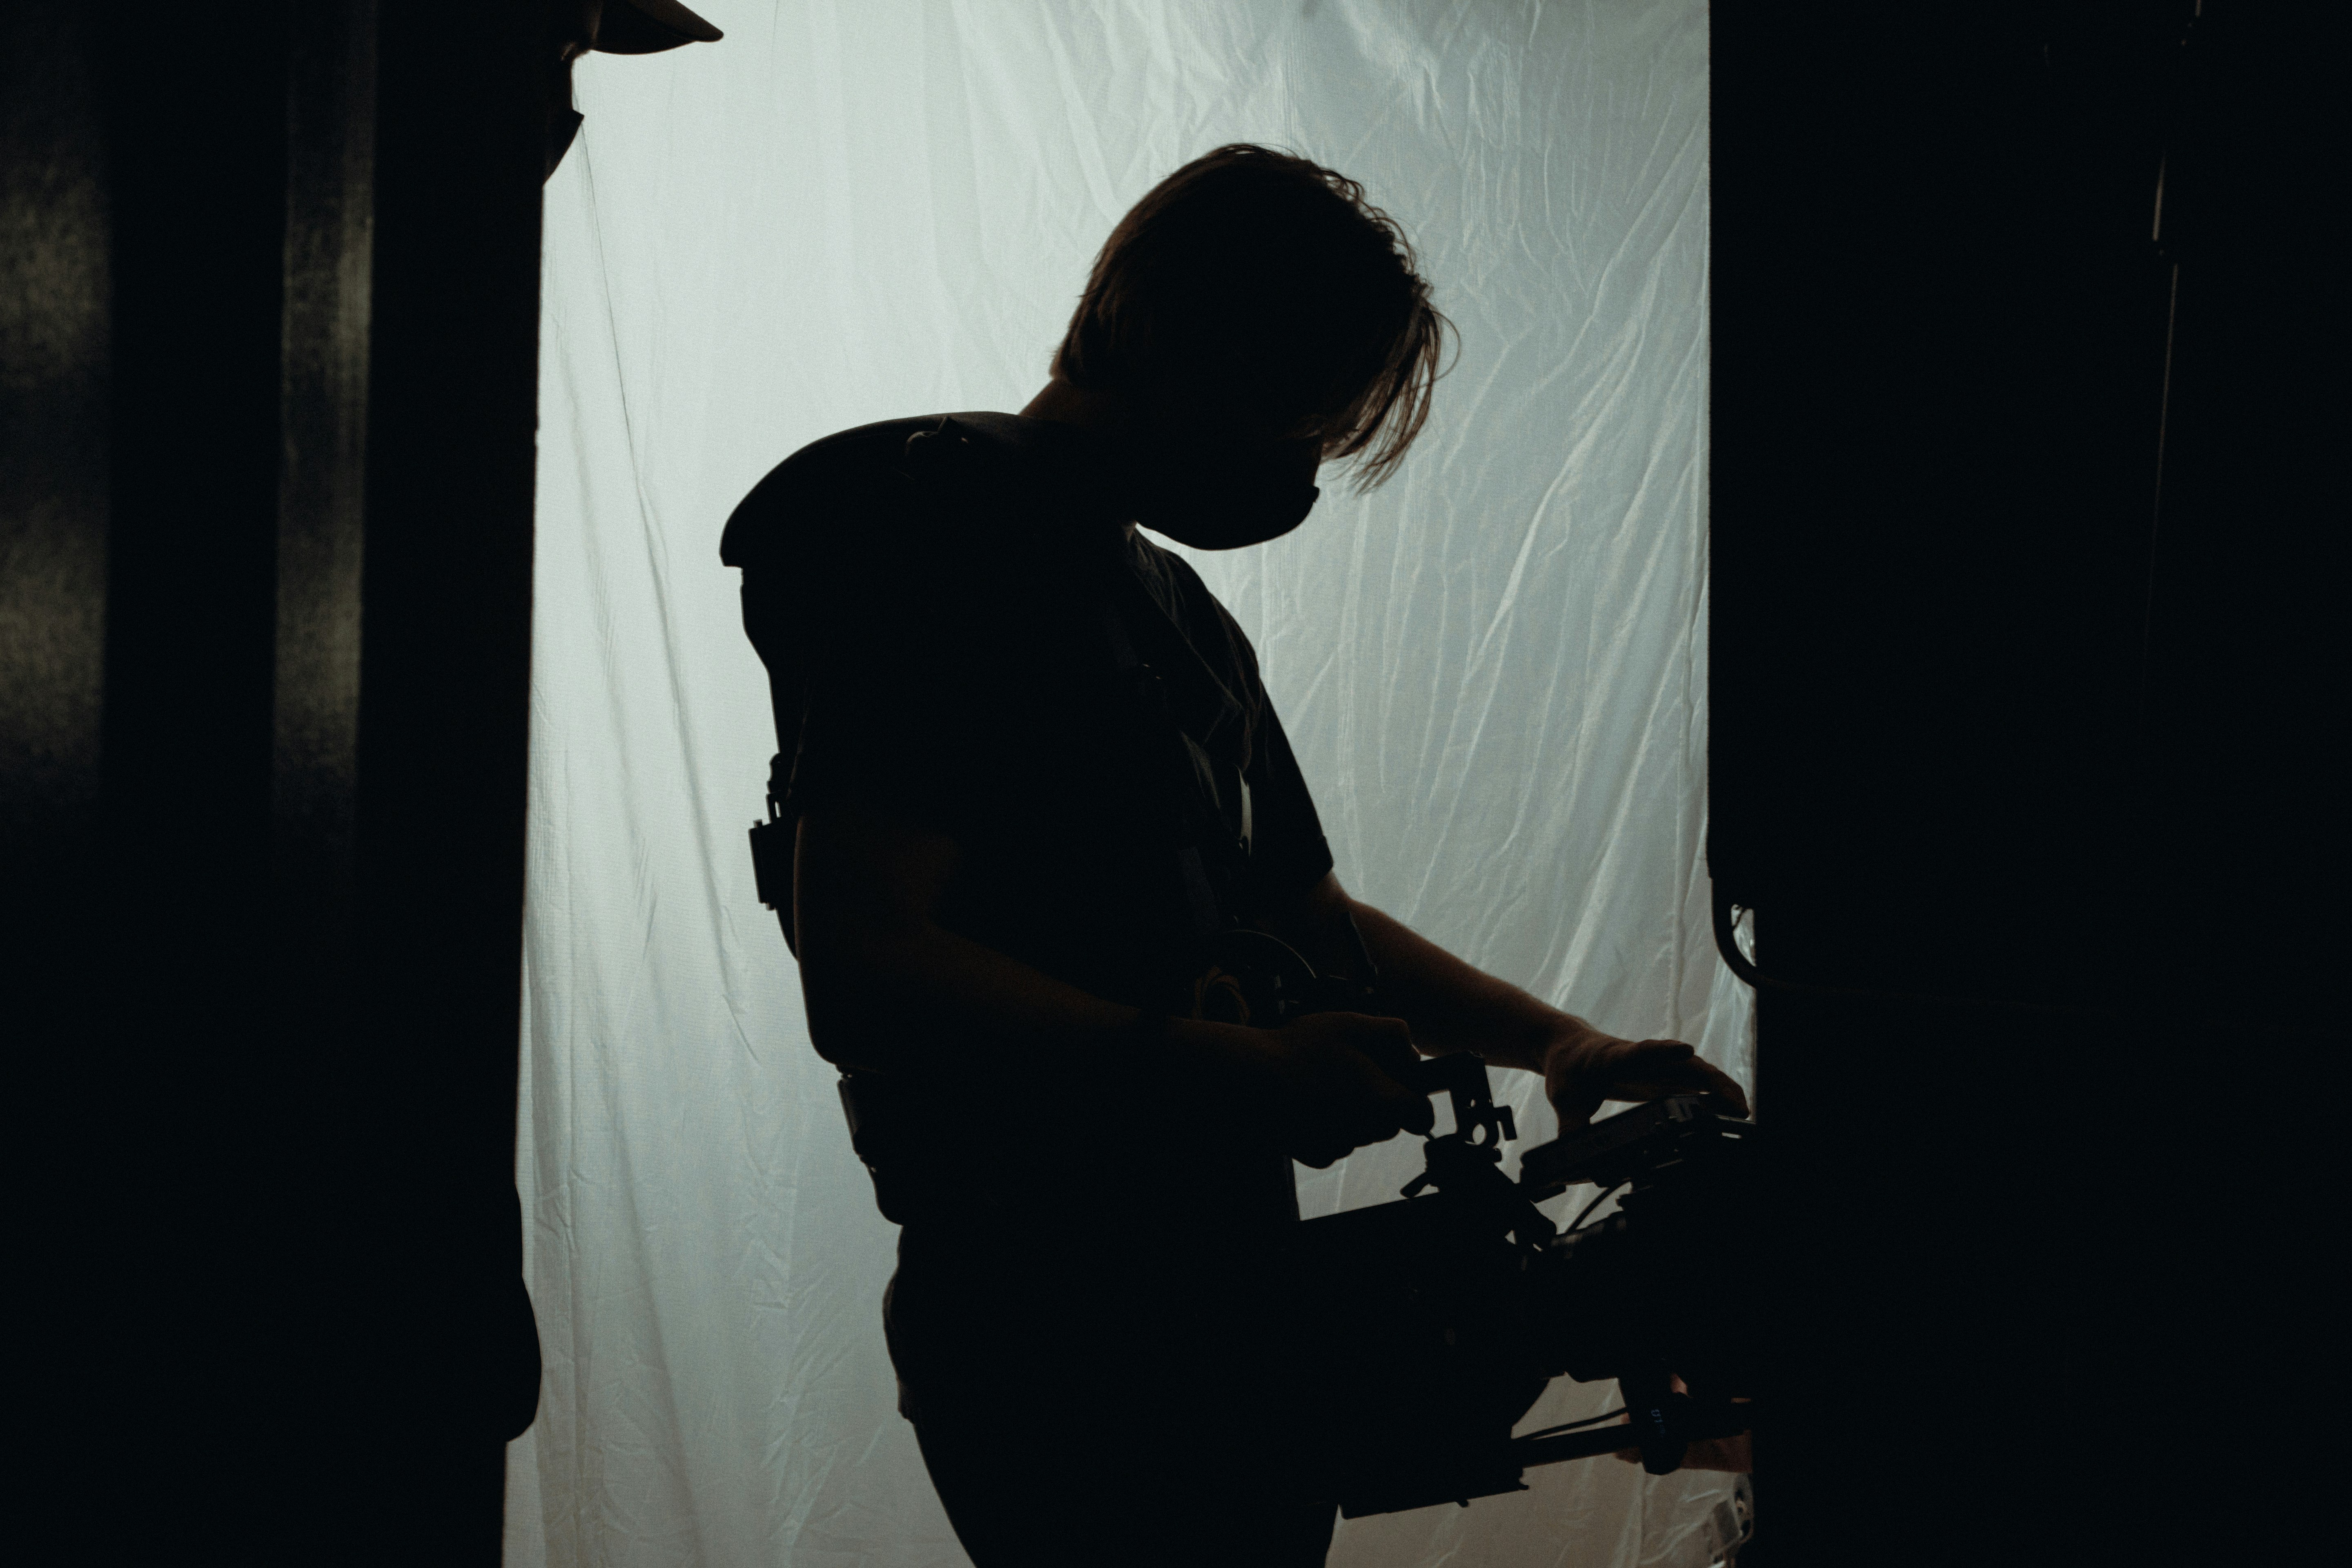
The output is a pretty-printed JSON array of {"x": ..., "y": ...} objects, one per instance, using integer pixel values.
[
  {"x": 1415, "y": 1114},
  {"x": 1575, "y": 1103}
]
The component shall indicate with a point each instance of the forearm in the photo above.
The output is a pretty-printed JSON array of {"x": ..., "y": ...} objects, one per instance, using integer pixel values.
[
  {"x": 891, "y": 990},
  {"x": 1454, "y": 1006}
]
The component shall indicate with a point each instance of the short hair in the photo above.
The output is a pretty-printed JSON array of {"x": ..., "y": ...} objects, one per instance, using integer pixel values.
[{"x": 1266, "y": 290}]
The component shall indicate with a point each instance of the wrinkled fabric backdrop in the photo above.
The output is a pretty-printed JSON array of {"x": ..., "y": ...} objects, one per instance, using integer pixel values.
[{"x": 852, "y": 210}]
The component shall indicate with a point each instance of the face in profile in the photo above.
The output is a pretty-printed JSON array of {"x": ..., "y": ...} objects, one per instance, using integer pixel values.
[{"x": 1254, "y": 315}]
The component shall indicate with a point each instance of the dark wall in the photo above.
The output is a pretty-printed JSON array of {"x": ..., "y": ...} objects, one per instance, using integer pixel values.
[
  {"x": 2016, "y": 756},
  {"x": 270, "y": 349},
  {"x": 442, "y": 739},
  {"x": 2004, "y": 710}
]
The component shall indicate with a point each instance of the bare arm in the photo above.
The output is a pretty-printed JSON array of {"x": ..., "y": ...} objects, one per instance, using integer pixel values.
[
  {"x": 890, "y": 990},
  {"x": 1454, "y": 1006}
]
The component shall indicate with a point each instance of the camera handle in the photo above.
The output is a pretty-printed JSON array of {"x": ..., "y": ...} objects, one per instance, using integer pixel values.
[
  {"x": 1478, "y": 1122},
  {"x": 1467, "y": 1163}
]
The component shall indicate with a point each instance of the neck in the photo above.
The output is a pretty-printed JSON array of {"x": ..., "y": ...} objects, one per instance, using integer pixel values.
[
  {"x": 1060, "y": 402},
  {"x": 1063, "y": 404}
]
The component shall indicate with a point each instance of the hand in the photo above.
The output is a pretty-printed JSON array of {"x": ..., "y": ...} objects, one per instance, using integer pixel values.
[
  {"x": 1736, "y": 1453},
  {"x": 1330, "y": 1090},
  {"x": 1582, "y": 1071}
]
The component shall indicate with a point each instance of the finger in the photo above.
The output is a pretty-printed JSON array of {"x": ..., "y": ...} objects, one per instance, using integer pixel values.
[
  {"x": 1411, "y": 1112},
  {"x": 1647, "y": 1051},
  {"x": 1379, "y": 1124},
  {"x": 1662, "y": 1088},
  {"x": 1671, "y": 1068},
  {"x": 1384, "y": 1120},
  {"x": 1576, "y": 1113},
  {"x": 1708, "y": 1078},
  {"x": 1727, "y": 1086},
  {"x": 1393, "y": 1106},
  {"x": 1388, "y": 1043},
  {"x": 1660, "y": 1058}
]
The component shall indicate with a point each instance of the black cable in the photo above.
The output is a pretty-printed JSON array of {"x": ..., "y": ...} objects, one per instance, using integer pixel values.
[
  {"x": 1571, "y": 1425},
  {"x": 1728, "y": 944},
  {"x": 1577, "y": 1223}
]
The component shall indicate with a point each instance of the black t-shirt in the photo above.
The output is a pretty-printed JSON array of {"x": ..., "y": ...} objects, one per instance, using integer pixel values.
[{"x": 933, "y": 618}]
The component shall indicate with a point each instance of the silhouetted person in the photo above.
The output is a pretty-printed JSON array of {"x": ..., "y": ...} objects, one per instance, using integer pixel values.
[{"x": 1030, "y": 760}]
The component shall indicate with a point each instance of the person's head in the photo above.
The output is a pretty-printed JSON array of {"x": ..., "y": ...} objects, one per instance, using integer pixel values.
[{"x": 1256, "y": 298}]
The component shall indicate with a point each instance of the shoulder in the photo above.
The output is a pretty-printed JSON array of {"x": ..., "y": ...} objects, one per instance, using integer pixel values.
[
  {"x": 848, "y": 482},
  {"x": 980, "y": 493}
]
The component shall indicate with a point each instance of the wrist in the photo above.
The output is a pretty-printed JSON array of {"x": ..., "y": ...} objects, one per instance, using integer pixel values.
[
  {"x": 1219, "y": 1057},
  {"x": 1148, "y": 1032},
  {"x": 1565, "y": 1043}
]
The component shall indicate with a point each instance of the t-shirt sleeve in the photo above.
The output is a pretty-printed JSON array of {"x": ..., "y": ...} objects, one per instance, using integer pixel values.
[{"x": 1287, "y": 847}]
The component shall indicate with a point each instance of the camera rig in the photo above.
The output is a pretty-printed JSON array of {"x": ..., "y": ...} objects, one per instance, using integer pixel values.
[
  {"x": 1466, "y": 1300},
  {"x": 1439, "y": 1318}
]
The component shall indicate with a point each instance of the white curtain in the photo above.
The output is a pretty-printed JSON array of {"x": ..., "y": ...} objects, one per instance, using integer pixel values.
[{"x": 852, "y": 210}]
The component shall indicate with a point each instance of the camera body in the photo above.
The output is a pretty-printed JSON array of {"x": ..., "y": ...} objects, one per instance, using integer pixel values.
[{"x": 1439, "y": 1318}]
